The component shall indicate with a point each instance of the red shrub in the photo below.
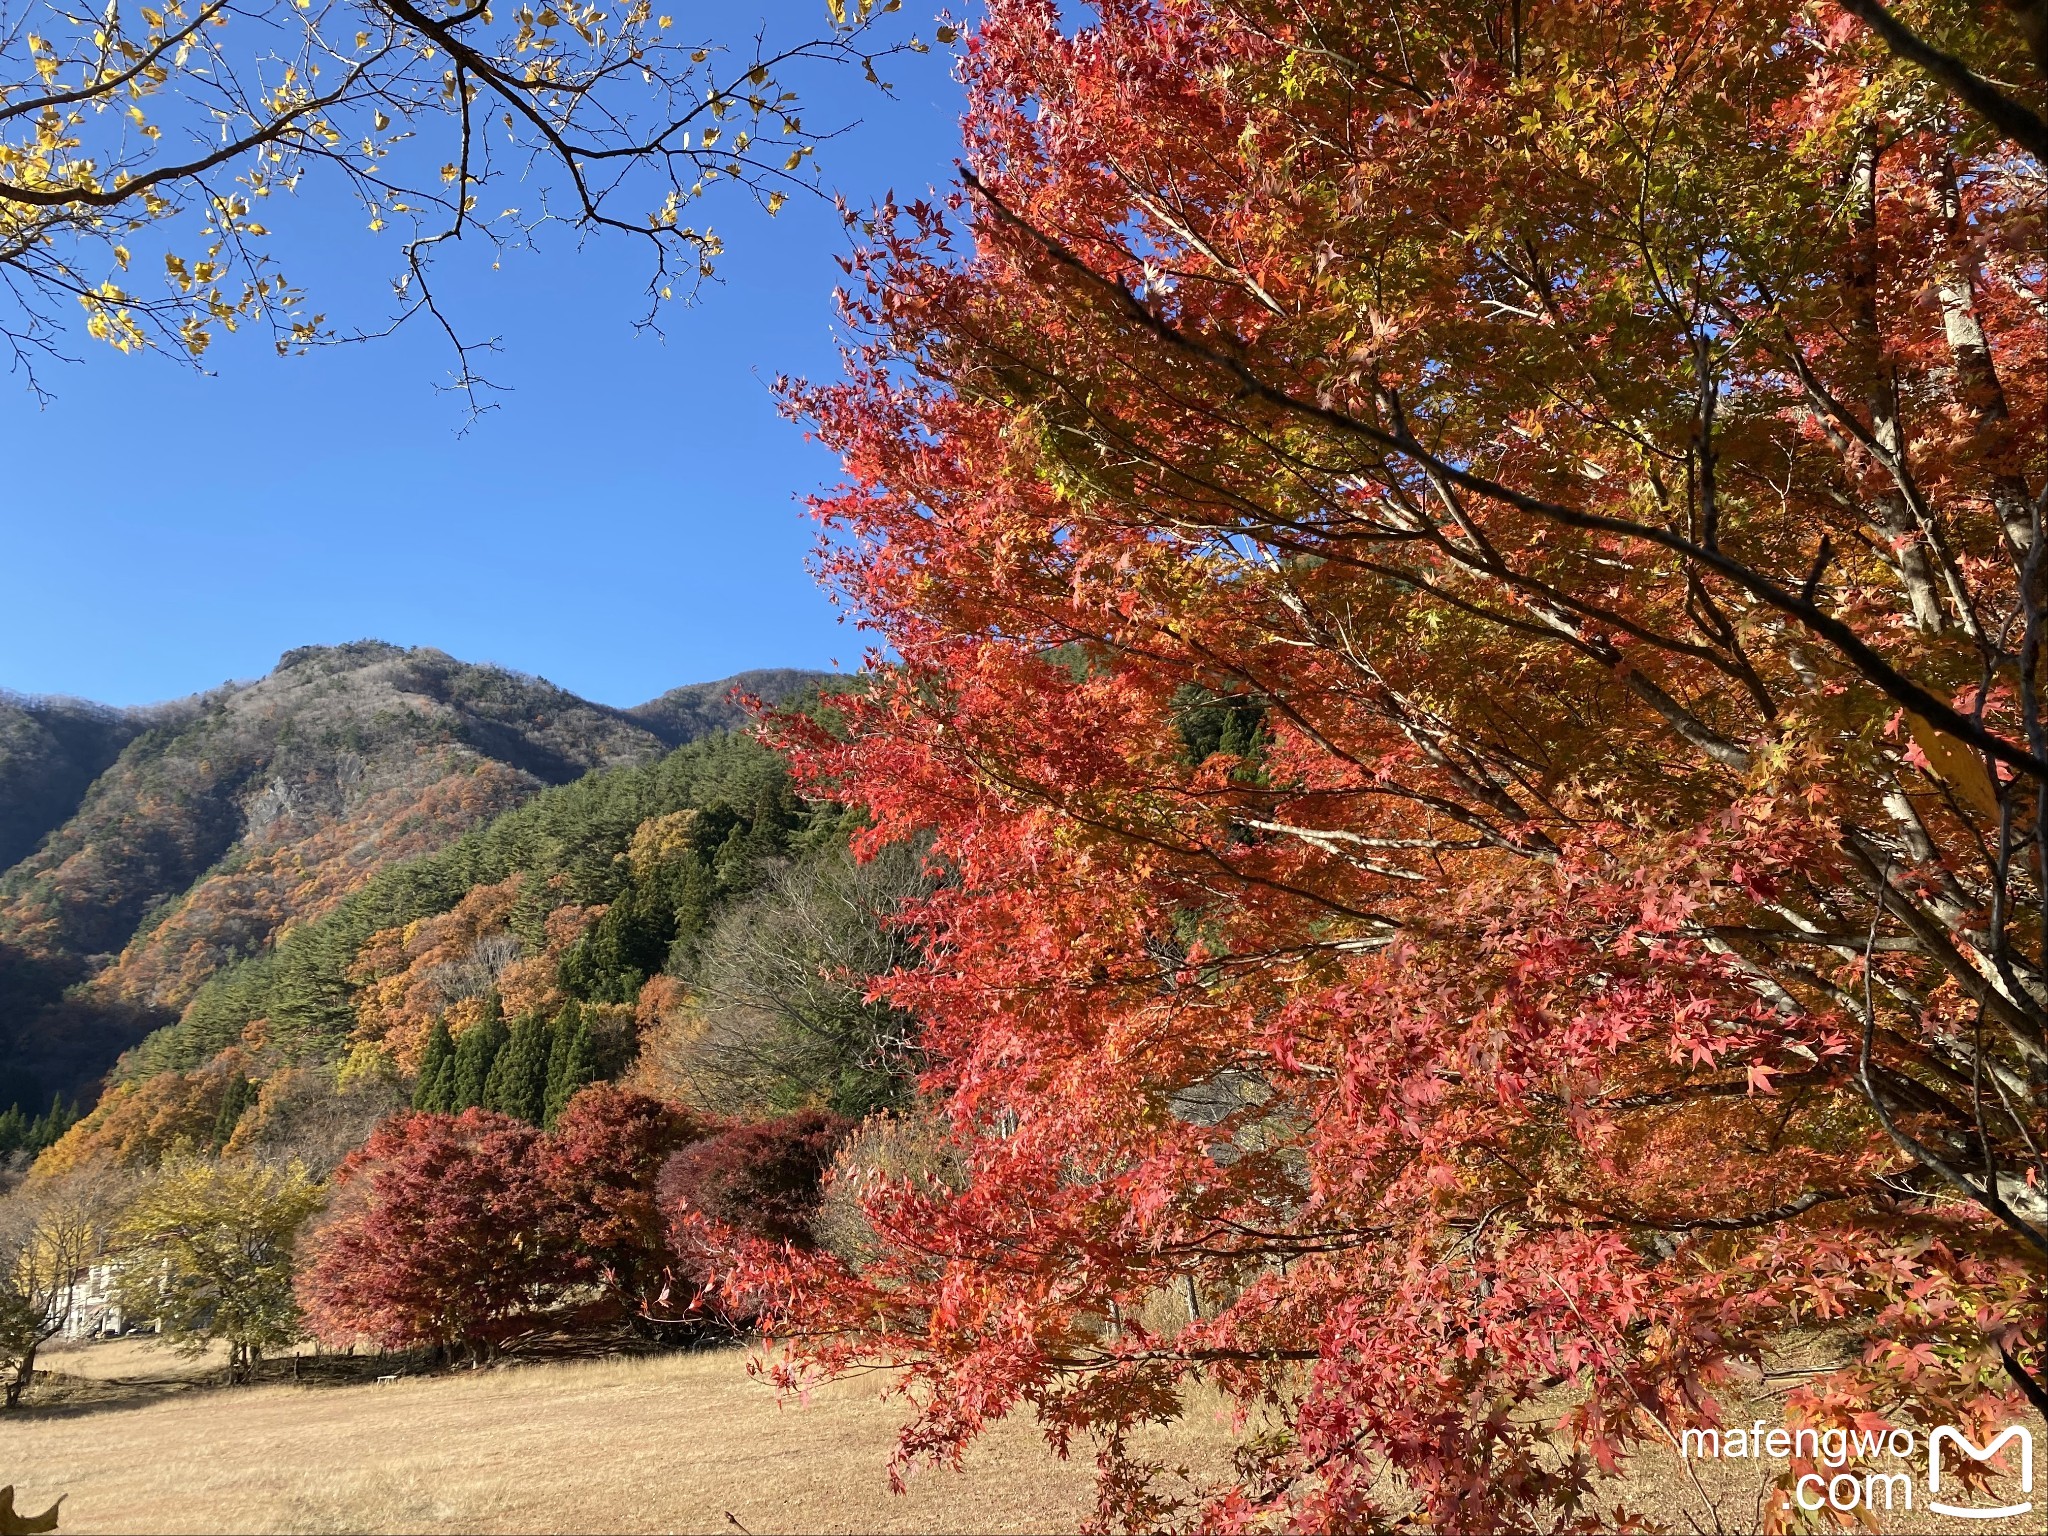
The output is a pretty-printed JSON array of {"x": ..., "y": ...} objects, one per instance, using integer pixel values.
[
  {"x": 601, "y": 1165},
  {"x": 441, "y": 1235},
  {"x": 759, "y": 1179}
]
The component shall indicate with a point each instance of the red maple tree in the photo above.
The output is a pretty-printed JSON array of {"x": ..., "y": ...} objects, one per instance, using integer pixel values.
[
  {"x": 441, "y": 1235},
  {"x": 1586, "y": 462},
  {"x": 601, "y": 1163}
]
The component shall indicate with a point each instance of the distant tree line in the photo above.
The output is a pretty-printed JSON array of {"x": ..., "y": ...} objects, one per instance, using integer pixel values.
[{"x": 21, "y": 1132}]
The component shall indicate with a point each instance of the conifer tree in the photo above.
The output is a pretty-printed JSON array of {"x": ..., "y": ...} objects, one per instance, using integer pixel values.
[
  {"x": 13, "y": 1130},
  {"x": 572, "y": 1062},
  {"x": 475, "y": 1053},
  {"x": 518, "y": 1084},
  {"x": 44, "y": 1130},
  {"x": 233, "y": 1105},
  {"x": 431, "y": 1092}
]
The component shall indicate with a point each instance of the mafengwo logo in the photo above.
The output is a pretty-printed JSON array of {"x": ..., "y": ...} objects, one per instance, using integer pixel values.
[
  {"x": 1872, "y": 1488},
  {"x": 1947, "y": 1436}
]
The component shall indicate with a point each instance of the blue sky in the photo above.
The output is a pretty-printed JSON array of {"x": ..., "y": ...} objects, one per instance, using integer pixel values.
[{"x": 629, "y": 520}]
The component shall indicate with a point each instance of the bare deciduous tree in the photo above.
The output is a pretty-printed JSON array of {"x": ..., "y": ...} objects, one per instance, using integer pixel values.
[{"x": 785, "y": 1017}]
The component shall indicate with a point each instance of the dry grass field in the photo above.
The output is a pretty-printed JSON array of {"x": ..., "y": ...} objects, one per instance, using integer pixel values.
[{"x": 668, "y": 1443}]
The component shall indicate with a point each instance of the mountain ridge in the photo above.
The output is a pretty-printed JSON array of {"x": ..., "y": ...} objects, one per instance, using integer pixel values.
[{"x": 213, "y": 822}]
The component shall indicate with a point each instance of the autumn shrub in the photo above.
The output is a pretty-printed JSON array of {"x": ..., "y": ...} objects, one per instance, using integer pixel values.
[
  {"x": 442, "y": 1233},
  {"x": 913, "y": 1147},
  {"x": 753, "y": 1187},
  {"x": 763, "y": 1178},
  {"x": 601, "y": 1162}
]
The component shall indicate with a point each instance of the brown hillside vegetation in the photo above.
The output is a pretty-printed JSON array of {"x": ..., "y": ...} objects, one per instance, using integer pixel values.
[
  {"x": 670, "y": 1443},
  {"x": 334, "y": 754},
  {"x": 50, "y": 752}
]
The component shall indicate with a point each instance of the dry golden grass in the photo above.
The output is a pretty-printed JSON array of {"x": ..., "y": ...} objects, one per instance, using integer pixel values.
[
  {"x": 672, "y": 1443},
  {"x": 669, "y": 1443}
]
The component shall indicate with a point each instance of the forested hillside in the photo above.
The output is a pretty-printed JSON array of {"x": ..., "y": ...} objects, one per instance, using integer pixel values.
[
  {"x": 496, "y": 1086},
  {"x": 532, "y": 956},
  {"x": 50, "y": 752},
  {"x": 207, "y": 827},
  {"x": 697, "y": 709}
]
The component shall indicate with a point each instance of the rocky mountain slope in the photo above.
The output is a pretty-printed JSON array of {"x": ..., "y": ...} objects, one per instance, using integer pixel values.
[
  {"x": 698, "y": 709},
  {"x": 50, "y": 752},
  {"x": 168, "y": 843}
]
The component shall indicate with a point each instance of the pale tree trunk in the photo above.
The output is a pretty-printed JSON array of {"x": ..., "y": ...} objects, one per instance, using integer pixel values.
[
  {"x": 1894, "y": 517},
  {"x": 1977, "y": 387}
]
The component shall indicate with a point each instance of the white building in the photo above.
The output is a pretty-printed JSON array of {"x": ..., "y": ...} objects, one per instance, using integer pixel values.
[{"x": 88, "y": 1305}]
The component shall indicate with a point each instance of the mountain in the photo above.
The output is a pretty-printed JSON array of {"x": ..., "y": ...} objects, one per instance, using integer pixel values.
[
  {"x": 223, "y": 820},
  {"x": 574, "y": 921},
  {"x": 684, "y": 714},
  {"x": 50, "y": 752}
]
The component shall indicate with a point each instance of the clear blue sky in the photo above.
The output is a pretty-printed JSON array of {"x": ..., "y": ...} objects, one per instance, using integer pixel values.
[{"x": 629, "y": 520}]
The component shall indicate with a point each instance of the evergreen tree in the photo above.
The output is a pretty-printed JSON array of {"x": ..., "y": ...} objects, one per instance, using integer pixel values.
[
  {"x": 518, "y": 1084},
  {"x": 572, "y": 1062},
  {"x": 13, "y": 1130},
  {"x": 734, "y": 864},
  {"x": 233, "y": 1105},
  {"x": 475, "y": 1054},
  {"x": 44, "y": 1130},
  {"x": 431, "y": 1092}
]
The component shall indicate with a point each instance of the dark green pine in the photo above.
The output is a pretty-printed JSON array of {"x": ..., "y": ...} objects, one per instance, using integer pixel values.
[
  {"x": 518, "y": 1084},
  {"x": 430, "y": 1093},
  {"x": 475, "y": 1054},
  {"x": 233, "y": 1105},
  {"x": 572, "y": 1062}
]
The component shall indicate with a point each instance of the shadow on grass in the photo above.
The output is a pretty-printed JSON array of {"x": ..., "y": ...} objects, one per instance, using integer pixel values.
[{"x": 56, "y": 1394}]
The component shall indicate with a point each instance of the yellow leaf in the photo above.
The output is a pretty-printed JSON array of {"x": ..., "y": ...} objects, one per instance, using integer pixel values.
[{"x": 1955, "y": 765}]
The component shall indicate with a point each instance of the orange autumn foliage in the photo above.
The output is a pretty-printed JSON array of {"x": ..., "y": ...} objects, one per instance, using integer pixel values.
[
  {"x": 136, "y": 1124},
  {"x": 443, "y": 966},
  {"x": 431, "y": 968},
  {"x": 293, "y": 874}
]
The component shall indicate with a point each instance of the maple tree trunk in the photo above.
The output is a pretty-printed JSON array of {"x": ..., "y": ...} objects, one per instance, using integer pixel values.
[
  {"x": 1977, "y": 387},
  {"x": 1908, "y": 539}
]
